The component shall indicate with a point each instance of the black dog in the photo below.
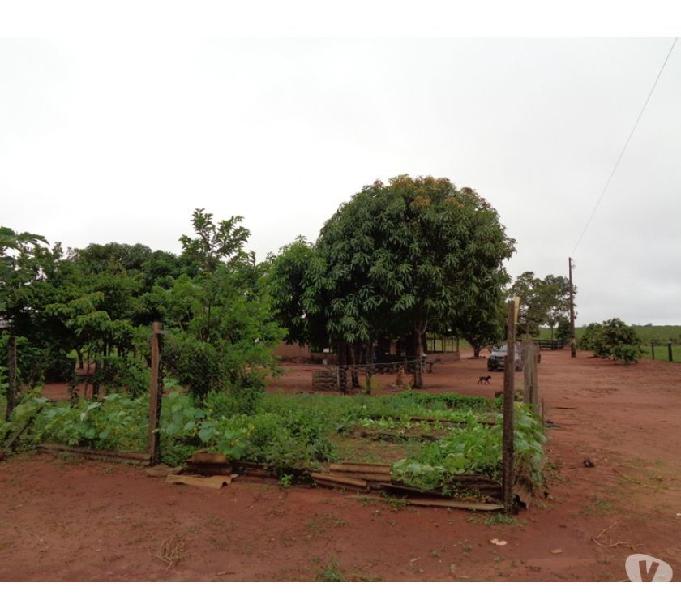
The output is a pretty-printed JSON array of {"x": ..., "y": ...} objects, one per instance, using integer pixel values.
[{"x": 485, "y": 379}]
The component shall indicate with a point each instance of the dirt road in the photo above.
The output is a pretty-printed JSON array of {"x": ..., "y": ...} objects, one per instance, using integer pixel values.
[{"x": 62, "y": 520}]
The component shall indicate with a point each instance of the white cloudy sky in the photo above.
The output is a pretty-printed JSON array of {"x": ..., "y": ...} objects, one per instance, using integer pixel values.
[{"x": 119, "y": 141}]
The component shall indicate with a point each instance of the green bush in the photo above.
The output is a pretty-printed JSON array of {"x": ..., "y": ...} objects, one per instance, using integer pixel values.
[
  {"x": 117, "y": 423},
  {"x": 128, "y": 374},
  {"x": 196, "y": 364},
  {"x": 612, "y": 338}
]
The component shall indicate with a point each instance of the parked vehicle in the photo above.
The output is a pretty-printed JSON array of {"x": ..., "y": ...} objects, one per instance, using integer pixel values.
[{"x": 497, "y": 358}]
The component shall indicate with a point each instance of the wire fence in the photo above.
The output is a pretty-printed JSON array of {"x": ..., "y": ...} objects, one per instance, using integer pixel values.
[{"x": 669, "y": 352}]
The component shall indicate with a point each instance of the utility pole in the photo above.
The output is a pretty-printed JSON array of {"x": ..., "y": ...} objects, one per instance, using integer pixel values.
[{"x": 573, "y": 338}]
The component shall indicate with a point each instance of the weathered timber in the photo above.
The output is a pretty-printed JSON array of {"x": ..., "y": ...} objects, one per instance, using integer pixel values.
[
  {"x": 445, "y": 503},
  {"x": 325, "y": 380},
  {"x": 155, "y": 394},
  {"x": 338, "y": 480},
  {"x": 509, "y": 397},
  {"x": 361, "y": 467}
]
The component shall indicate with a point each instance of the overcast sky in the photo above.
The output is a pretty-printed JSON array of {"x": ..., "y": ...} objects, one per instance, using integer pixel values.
[{"x": 120, "y": 141}]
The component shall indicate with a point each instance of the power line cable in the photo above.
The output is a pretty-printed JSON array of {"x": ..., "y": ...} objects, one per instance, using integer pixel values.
[{"x": 624, "y": 148}]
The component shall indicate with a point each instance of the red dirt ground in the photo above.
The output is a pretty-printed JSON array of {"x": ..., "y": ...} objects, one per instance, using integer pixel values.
[{"x": 65, "y": 520}]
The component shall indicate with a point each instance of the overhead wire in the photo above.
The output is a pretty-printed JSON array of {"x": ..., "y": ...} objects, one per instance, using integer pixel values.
[{"x": 604, "y": 190}]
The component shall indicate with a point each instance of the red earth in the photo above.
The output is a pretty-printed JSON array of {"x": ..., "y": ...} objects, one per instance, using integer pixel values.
[{"x": 73, "y": 520}]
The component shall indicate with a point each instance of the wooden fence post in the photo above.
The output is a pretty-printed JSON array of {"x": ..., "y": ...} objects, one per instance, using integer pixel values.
[
  {"x": 155, "y": 394},
  {"x": 509, "y": 393},
  {"x": 531, "y": 387},
  {"x": 11, "y": 376},
  {"x": 536, "y": 402},
  {"x": 652, "y": 350},
  {"x": 669, "y": 348}
]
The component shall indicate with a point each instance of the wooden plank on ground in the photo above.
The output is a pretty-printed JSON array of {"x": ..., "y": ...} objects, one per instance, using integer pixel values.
[
  {"x": 338, "y": 480},
  {"x": 361, "y": 467},
  {"x": 445, "y": 503}
]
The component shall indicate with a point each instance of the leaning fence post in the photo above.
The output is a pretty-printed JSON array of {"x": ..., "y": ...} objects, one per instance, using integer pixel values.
[
  {"x": 155, "y": 394},
  {"x": 11, "y": 376},
  {"x": 509, "y": 393}
]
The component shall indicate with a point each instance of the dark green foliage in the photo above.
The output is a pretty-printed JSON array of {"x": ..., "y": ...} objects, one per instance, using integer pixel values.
[
  {"x": 96, "y": 305},
  {"x": 612, "y": 338},
  {"x": 563, "y": 331},
  {"x": 395, "y": 260},
  {"x": 542, "y": 301},
  {"x": 290, "y": 286},
  {"x": 196, "y": 364}
]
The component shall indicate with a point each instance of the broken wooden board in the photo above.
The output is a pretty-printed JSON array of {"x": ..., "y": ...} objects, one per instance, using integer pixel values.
[
  {"x": 446, "y": 503},
  {"x": 361, "y": 468},
  {"x": 215, "y": 482},
  {"x": 331, "y": 480},
  {"x": 368, "y": 477}
]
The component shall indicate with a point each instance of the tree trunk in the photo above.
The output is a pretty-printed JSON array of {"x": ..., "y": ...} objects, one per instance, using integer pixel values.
[
  {"x": 418, "y": 365},
  {"x": 354, "y": 354},
  {"x": 11, "y": 393},
  {"x": 551, "y": 328},
  {"x": 476, "y": 351},
  {"x": 369, "y": 367},
  {"x": 341, "y": 361}
]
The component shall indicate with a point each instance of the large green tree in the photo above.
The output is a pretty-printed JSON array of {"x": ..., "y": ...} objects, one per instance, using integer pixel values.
[
  {"x": 542, "y": 301},
  {"x": 401, "y": 257}
]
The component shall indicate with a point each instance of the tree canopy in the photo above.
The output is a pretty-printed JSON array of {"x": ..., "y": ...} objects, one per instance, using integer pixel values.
[
  {"x": 98, "y": 302},
  {"x": 399, "y": 258},
  {"x": 542, "y": 301}
]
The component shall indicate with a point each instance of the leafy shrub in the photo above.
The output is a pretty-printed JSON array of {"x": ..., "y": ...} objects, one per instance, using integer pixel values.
[
  {"x": 125, "y": 374},
  {"x": 626, "y": 353},
  {"x": 281, "y": 442},
  {"x": 612, "y": 338},
  {"x": 197, "y": 364},
  {"x": 117, "y": 422}
]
